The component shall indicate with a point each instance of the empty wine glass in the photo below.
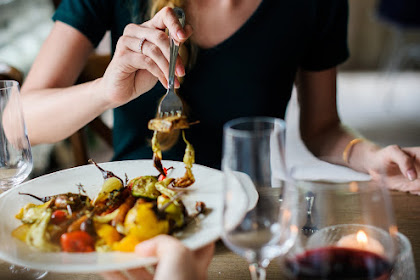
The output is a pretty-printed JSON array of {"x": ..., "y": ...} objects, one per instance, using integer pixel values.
[
  {"x": 355, "y": 236},
  {"x": 258, "y": 221},
  {"x": 15, "y": 151}
]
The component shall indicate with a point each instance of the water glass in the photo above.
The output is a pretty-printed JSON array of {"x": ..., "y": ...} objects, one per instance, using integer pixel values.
[{"x": 258, "y": 220}]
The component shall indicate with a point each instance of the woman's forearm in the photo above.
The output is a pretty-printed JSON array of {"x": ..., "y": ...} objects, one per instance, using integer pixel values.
[
  {"x": 337, "y": 145},
  {"x": 54, "y": 114},
  {"x": 320, "y": 125}
]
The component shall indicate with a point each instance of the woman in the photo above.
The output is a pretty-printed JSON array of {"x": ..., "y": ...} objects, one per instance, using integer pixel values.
[{"x": 243, "y": 58}]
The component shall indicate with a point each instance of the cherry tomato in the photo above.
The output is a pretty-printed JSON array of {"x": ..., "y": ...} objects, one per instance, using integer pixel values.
[
  {"x": 77, "y": 241},
  {"x": 58, "y": 216}
]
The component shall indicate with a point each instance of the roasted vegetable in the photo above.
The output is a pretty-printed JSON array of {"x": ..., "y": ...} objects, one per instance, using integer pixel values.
[
  {"x": 107, "y": 235},
  {"x": 31, "y": 212},
  {"x": 105, "y": 173},
  {"x": 21, "y": 232},
  {"x": 37, "y": 235},
  {"x": 106, "y": 218},
  {"x": 144, "y": 186},
  {"x": 168, "y": 124},
  {"x": 77, "y": 241},
  {"x": 157, "y": 154},
  {"x": 110, "y": 185},
  {"x": 174, "y": 212},
  {"x": 142, "y": 222},
  {"x": 58, "y": 216},
  {"x": 72, "y": 200},
  {"x": 189, "y": 159},
  {"x": 118, "y": 221},
  {"x": 162, "y": 187}
]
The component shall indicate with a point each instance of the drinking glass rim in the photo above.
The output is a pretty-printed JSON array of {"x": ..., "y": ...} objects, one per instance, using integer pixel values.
[
  {"x": 228, "y": 127},
  {"x": 404, "y": 239},
  {"x": 13, "y": 83}
]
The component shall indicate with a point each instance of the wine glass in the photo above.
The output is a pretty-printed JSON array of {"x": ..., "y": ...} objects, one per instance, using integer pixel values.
[
  {"x": 258, "y": 223},
  {"x": 15, "y": 151},
  {"x": 404, "y": 267},
  {"x": 353, "y": 236}
]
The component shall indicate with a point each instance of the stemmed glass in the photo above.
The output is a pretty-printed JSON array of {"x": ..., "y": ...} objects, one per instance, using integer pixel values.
[
  {"x": 353, "y": 236},
  {"x": 258, "y": 221},
  {"x": 15, "y": 150}
]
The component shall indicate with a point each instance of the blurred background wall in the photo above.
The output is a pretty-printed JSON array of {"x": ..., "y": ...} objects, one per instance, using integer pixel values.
[{"x": 25, "y": 24}]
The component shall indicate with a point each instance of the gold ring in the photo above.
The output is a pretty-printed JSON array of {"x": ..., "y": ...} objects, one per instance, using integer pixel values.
[{"x": 142, "y": 40}]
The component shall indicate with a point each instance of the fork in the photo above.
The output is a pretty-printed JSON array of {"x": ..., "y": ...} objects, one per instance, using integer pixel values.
[
  {"x": 309, "y": 228},
  {"x": 171, "y": 104}
]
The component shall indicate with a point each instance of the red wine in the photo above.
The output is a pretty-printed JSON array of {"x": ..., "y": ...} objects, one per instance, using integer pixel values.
[{"x": 338, "y": 263}]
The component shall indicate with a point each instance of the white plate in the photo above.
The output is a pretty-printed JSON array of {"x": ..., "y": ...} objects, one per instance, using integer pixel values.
[{"x": 207, "y": 188}]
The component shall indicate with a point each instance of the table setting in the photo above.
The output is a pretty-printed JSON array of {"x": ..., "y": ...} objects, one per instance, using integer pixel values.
[{"x": 308, "y": 221}]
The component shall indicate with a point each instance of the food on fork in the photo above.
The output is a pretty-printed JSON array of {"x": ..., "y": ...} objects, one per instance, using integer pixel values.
[
  {"x": 168, "y": 124},
  {"x": 189, "y": 159}
]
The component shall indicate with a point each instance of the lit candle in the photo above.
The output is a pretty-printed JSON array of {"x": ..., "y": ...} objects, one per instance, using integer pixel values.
[{"x": 361, "y": 241}]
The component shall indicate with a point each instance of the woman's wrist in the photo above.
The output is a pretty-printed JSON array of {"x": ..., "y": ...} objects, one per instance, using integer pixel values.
[
  {"x": 100, "y": 96},
  {"x": 348, "y": 149},
  {"x": 360, "y": 154}
]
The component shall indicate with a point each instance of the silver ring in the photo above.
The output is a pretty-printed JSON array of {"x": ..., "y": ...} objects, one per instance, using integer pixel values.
[{"x": 142, "y": 40}]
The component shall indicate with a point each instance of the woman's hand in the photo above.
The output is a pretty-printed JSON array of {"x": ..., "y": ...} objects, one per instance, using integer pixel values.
[
  {"x": 175, "y": 261},
  {"x": 134, "y": 70},
  {"x": 397, "y": 168}
]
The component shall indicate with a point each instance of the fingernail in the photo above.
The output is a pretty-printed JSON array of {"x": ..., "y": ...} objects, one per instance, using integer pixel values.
[
  {"x": 180, "y": 34},
  {"x": 177, "y": 85},
  {"x": 180, "y": 71},
  {"x": 411, "y": 175}
]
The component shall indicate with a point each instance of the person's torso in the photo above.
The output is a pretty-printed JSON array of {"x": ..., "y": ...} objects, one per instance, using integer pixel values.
[{"x": 251, "y": 73}]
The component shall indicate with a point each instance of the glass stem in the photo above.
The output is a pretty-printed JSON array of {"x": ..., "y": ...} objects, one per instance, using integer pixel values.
[{"x": 257, "y": 271}]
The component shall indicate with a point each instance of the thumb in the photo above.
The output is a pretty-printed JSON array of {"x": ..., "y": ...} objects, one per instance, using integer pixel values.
[
  {"x": 159, "y": 246},
  {"x": 175, "y": 260}
]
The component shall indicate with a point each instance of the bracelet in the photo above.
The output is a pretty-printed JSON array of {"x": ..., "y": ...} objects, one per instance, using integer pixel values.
[{"x": 348, "y": 148}]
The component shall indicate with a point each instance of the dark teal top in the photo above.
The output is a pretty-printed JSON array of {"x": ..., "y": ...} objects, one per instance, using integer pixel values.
[{"x": 249, "y": 74}]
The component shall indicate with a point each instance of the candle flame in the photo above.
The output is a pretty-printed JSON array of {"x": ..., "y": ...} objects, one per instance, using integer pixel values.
[{"x": 361, "y": 237}]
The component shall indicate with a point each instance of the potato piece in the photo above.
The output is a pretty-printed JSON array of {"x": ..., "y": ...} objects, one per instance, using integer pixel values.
[
  {"x": 127, "y": 244},
  {"x": 142, "y": 221},
  {"x": 21, "y": 232},
  {"x": 108, "y": 233},
  {"x": 168, "y": 124}
]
